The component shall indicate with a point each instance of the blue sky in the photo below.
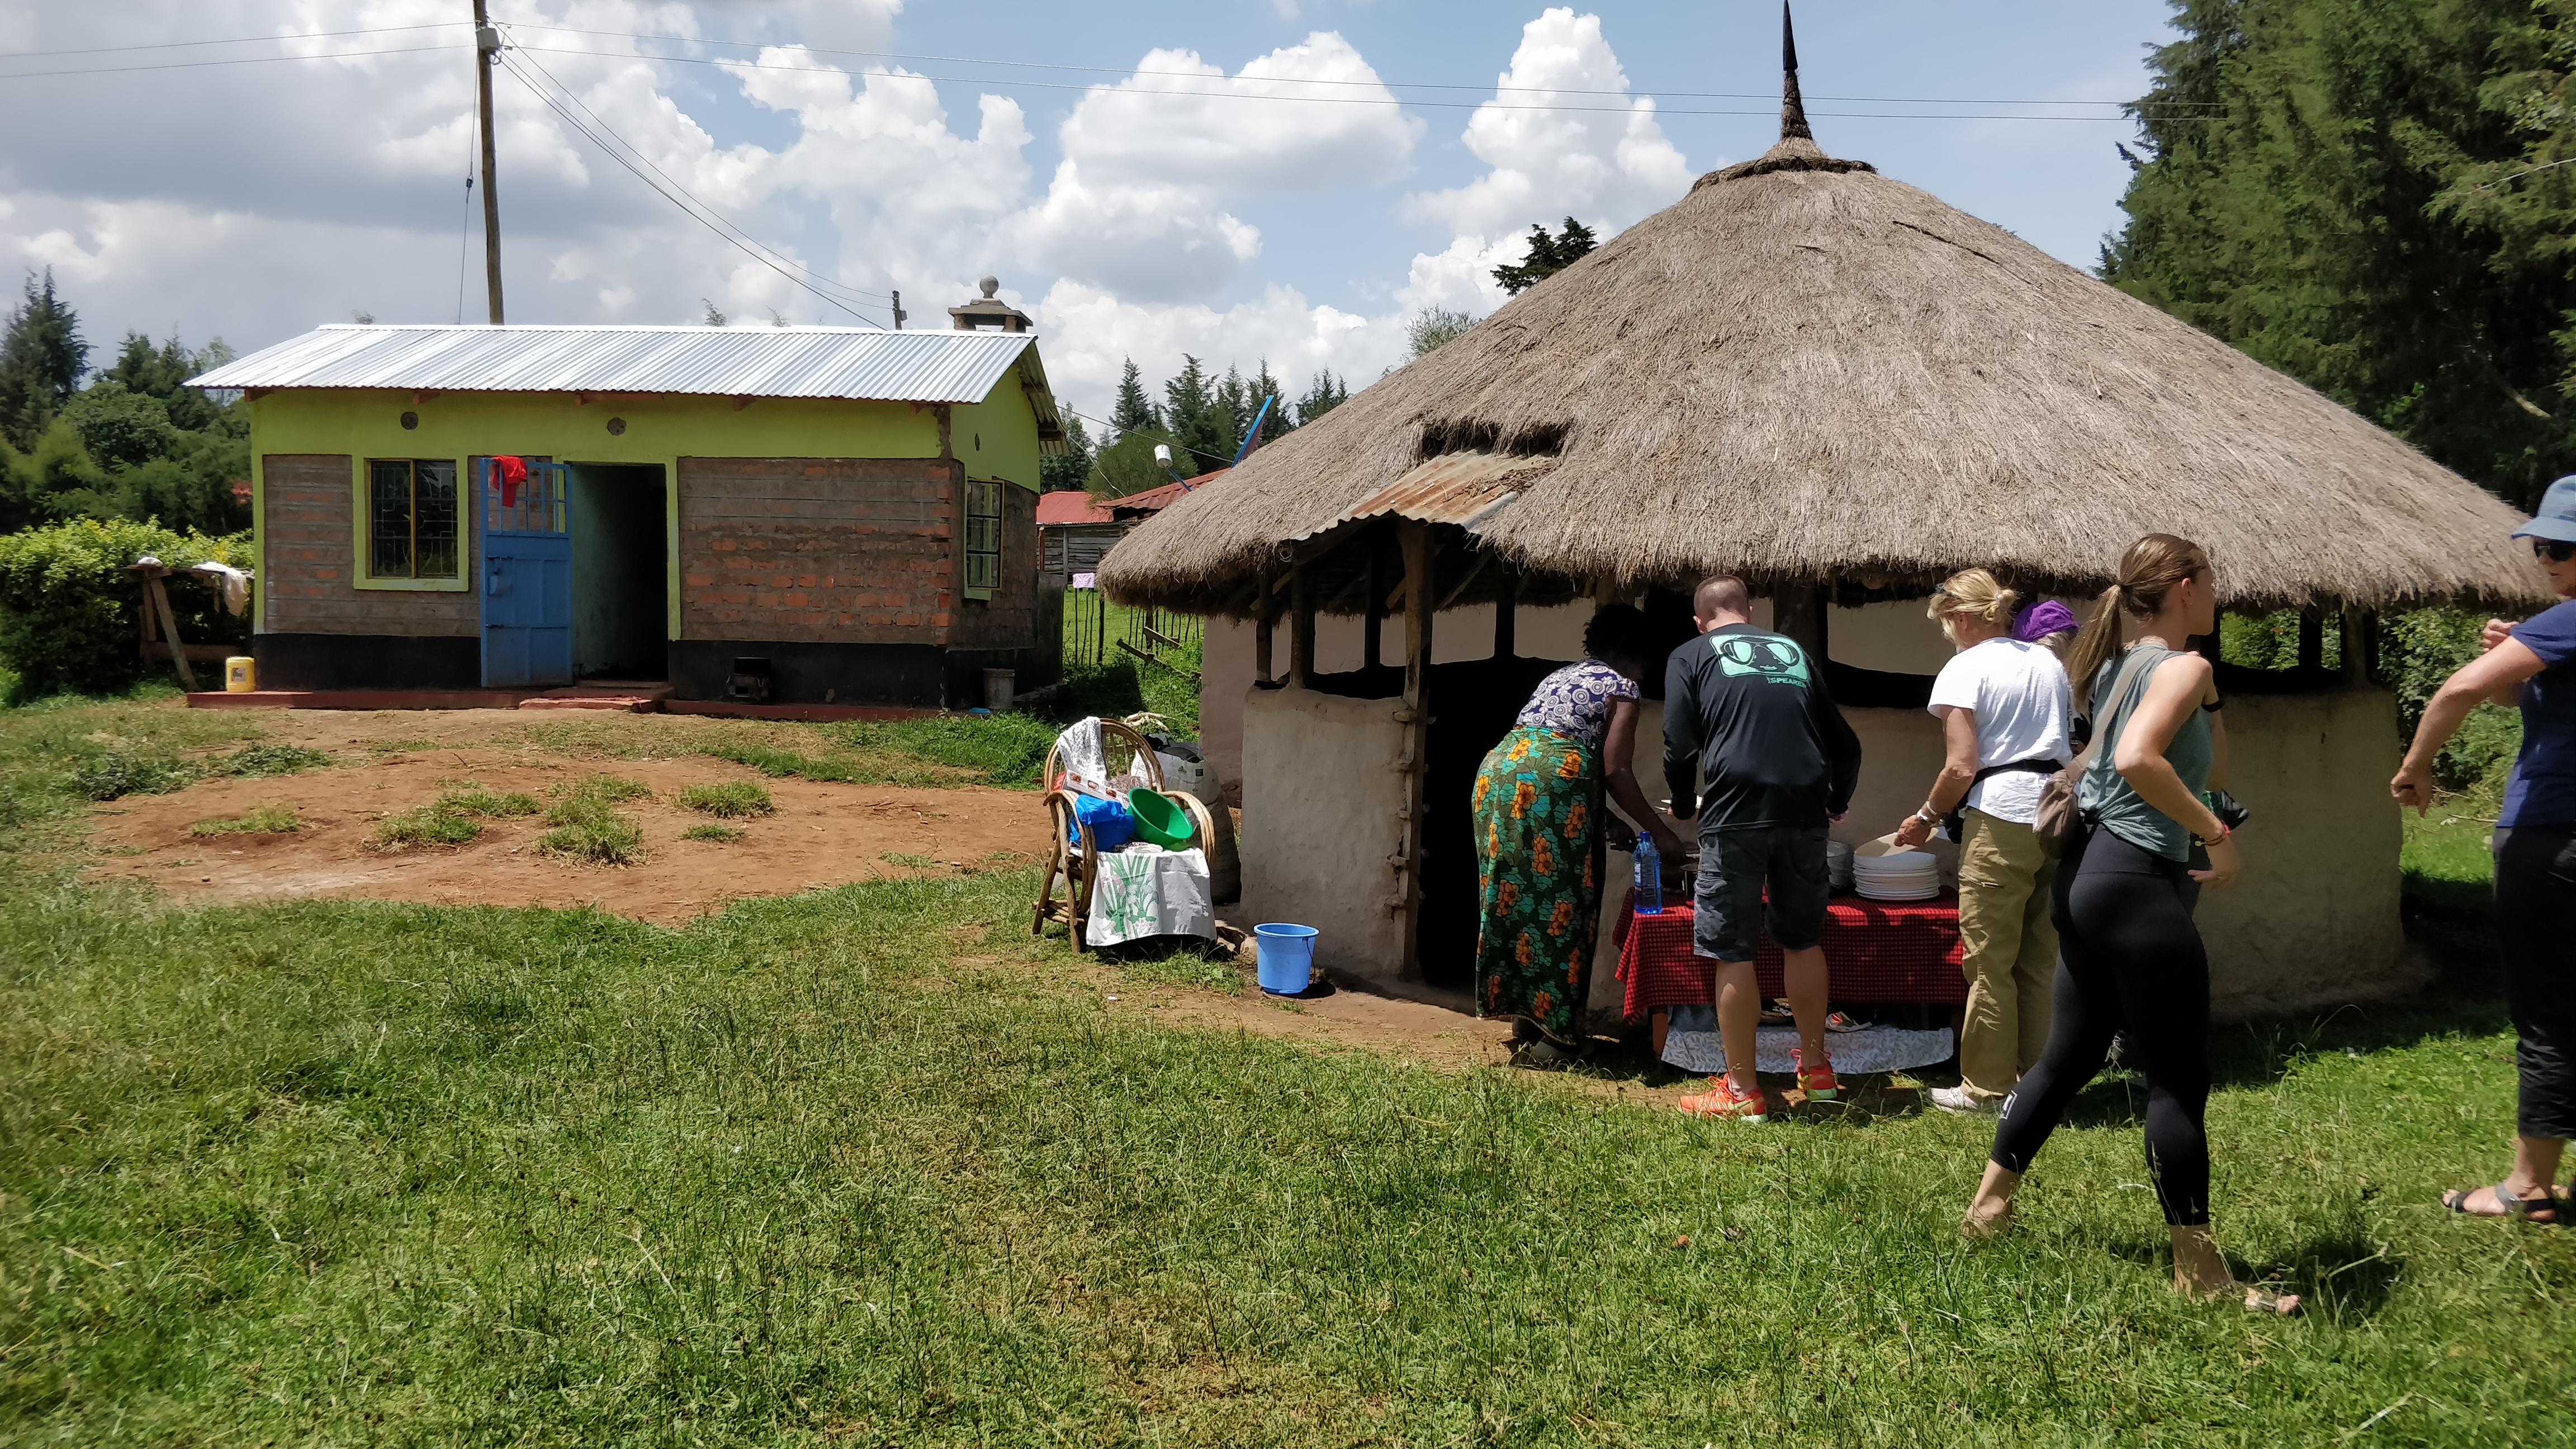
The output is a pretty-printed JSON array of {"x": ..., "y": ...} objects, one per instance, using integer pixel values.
[{"x": 1146, "y": 178}]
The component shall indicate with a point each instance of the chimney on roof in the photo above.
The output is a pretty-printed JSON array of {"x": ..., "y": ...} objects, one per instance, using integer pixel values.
[
  {"x": 988, "y": 311},
  {"x": 1793, "y": 107}
]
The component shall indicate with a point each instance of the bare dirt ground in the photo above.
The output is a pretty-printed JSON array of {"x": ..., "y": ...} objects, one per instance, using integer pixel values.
[{"x": 822, "y": 834}]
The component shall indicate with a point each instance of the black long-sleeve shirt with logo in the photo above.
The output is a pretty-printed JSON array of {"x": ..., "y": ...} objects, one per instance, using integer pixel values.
[{"x": 1752, "y": 708}]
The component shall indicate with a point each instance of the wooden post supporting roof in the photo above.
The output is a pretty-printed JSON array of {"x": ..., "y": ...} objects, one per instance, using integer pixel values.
[
  {"x": 1301, "y": 624},
  {"x": 1371, "y": 609},
  {"x": 1421, "y": 552},
  {"x": 1506, "y": 602},
  {"x": 1798, "y": 610},
  {"x": 1263, "y": 612},
  {"x": 2312, "y": 639}
]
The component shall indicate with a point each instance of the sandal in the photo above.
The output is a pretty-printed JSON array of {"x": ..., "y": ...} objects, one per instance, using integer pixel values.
[{"x": 2513, "y": 1205}]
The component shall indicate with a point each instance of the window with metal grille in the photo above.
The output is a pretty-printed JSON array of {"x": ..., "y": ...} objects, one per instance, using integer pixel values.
[
  {"x": 983, "y": 538},
  {"x": 411, "y": 518}
]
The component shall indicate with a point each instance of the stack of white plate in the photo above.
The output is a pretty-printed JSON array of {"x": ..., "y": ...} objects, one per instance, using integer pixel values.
[
  {"x": 1904, "y": 875},
  {"x": 1838, "y": 865}
]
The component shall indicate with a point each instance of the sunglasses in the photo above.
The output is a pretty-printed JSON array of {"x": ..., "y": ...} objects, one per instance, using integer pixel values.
[{"x": 2554, "y": 550}]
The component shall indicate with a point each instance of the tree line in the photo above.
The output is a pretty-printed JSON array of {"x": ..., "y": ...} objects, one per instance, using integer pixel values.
[
  {"x": 1201, "y": 417},
  {"x": 132, "y": 441},
  {"x": 2379, "y": 200},
  {"x": 1204, "y": 419}
]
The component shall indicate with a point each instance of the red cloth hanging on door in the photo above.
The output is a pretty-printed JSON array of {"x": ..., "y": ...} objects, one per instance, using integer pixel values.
[{"x": 509, "y": 472}]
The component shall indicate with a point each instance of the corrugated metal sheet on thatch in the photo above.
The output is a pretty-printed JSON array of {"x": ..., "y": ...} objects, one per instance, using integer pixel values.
[{"x": 1806, "y": 371}]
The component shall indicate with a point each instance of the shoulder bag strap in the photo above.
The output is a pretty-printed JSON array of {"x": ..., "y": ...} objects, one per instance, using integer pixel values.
[{"x": 2113, "y": 711}]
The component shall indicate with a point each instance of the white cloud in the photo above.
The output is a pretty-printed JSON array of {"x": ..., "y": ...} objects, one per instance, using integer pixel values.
[
  {"x": 1093, "y": 332},
  {"x": 1608, "y": 166},
  {"x": 1138, "y": 203}
]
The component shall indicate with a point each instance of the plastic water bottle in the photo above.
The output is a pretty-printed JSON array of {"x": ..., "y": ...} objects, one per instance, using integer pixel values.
[{"x": 1650, "y": 877}]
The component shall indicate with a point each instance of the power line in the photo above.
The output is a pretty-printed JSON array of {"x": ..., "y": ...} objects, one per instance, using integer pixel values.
[
  {"x": 234, "y": 60},
  {"x": 685, "y": 206},
  {"x": 1324, "y": 100},
  {"x": 744, "y": 237},
  {"x": 236, "y": 40},
  {"x": 1640, "y": 92},
  {"x": 2162, "y": 110},
  {"x": 676, "y": 185}
]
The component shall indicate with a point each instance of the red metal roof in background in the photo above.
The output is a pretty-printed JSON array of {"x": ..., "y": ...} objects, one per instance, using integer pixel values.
[{"x": 1071, "y": 506}]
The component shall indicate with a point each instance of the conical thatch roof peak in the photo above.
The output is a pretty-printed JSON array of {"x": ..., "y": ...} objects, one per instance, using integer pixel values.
[
  {"x": 1797, "y": 150},
  {"x": 1805, "y": 371}
]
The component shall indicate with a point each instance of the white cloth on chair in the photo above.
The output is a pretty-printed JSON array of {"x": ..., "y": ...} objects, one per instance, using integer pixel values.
[
  {"x": 1081, "y": 756},
  {"x": 1145, "y": 890}
]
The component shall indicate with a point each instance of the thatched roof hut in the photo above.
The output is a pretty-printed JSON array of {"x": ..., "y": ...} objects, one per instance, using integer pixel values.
[
  {"x": 1804, "y": 371},
  {"x": 1832, "y": 384}
]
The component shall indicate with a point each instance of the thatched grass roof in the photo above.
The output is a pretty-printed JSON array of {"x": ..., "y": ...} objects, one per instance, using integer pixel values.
[{"x": 1805, "y": 371}]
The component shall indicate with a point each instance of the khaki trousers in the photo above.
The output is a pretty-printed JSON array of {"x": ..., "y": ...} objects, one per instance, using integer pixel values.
[{"x": 2008, "y": 950}]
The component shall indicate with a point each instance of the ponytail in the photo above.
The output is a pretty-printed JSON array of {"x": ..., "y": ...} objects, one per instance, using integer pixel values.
[
  {"x": 2094, "y": 646},
  {"x": 2148, "y": 572}
]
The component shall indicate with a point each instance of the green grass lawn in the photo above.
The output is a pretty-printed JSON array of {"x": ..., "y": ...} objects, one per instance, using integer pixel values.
[{"x": 354, "y": 1173}]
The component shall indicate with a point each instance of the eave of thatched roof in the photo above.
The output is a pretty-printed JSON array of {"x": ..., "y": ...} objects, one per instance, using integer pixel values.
[{"x": 1804, "y": 371}]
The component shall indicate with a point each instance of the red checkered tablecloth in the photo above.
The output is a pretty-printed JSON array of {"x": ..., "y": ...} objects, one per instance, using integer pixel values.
[{"x": 1875, "y": 951}]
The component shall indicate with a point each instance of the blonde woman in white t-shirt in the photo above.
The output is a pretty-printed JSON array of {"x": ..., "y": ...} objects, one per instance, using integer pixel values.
[{"x": 2003, "y": 706}]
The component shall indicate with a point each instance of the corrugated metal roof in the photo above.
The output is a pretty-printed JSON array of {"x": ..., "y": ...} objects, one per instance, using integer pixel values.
[
  {"x": 816, "y": 362},
  {"x": 1461, "y": 488}
]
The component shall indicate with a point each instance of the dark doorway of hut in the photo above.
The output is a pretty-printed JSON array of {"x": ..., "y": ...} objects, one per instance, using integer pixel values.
[{"x": 619, "y": 516}]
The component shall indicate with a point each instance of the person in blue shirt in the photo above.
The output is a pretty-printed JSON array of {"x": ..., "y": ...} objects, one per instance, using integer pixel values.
[{"x": 2533, "y": 665}]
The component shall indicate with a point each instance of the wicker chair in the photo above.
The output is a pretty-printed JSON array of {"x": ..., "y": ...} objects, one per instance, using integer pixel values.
[{"x": 1070, "y": 851}]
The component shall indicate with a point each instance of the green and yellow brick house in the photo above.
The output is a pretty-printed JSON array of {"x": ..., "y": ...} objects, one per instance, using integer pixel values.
[{"x": 847, "y": 513}]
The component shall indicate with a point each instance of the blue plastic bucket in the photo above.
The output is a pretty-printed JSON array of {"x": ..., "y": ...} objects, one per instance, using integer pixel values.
[{"x": 1287, "y": 958}]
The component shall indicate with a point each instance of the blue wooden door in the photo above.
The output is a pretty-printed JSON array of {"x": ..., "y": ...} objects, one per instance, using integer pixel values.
[{"x": 527, "y": 579}]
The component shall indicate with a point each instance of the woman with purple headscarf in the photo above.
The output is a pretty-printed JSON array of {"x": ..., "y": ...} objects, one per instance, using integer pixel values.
[{"x": 2047, "y": 622}]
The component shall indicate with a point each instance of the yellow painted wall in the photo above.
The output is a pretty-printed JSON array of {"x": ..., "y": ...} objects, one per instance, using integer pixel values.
[{"x": 997, "y": 438}]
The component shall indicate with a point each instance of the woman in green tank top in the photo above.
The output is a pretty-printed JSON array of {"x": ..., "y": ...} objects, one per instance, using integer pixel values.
[{"x": 2130, "y": 959}]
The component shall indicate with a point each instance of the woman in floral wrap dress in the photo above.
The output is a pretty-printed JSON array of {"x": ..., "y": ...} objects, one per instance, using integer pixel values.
[{"x": 1539, "y": 827}]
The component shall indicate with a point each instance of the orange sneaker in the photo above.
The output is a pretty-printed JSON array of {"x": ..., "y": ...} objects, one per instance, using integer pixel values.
[
  {"x": 1722, "y": 1100},
  {"x": 1819, "y": 1084}
]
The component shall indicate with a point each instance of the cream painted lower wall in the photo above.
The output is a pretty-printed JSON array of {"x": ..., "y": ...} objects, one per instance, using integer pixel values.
[{"x": 1319, "y": 828}]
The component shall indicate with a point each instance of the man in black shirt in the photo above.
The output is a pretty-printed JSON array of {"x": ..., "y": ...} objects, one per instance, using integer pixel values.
[{"x": 1748, "y": 709}]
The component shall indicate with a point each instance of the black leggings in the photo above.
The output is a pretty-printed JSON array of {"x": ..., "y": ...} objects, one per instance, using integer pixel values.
[
  {"x": 2535, "y": 899},
  {"x": 2130, "y": 961}
]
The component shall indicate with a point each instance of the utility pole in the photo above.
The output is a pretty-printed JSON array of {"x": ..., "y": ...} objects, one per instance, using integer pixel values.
[
  {"x": 487, "y": 47},
  {"x": 899, "y": 313}
]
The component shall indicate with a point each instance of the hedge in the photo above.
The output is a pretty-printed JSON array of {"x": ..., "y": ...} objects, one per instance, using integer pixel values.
[{"x": 70, "y": 615}]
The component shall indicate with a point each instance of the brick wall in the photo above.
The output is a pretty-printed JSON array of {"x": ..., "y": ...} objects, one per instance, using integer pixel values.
[
  {"x": 820, "y": 550},
  {"x": 308, "y": 537},
  {"x": 1005, "y": 621}
]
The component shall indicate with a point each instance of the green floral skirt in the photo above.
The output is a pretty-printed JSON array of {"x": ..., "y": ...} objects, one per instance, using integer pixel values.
[{"x": 1538, "y": 826}]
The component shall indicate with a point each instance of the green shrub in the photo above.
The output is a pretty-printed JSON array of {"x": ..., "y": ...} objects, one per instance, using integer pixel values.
[
  {"x": 70, "y": 615},
  {"x": 588, "y": 829},
  {"x": 472, "y": 799},
  {"x": 113, "y": 774},
  {"x": 606, "y": 789},
  {"x": 425, "y": 825},
  {"x": 261, "y": 761},
  {"x": 2417, "y": 651},
  {"x": 731, "y": 800},
  {"x": 266, "y": 820},
  {"x": 711, "y": 831}
]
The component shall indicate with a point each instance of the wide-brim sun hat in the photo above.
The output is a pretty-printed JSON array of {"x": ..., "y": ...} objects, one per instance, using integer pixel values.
[{"x": 2556, "y": 519}]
